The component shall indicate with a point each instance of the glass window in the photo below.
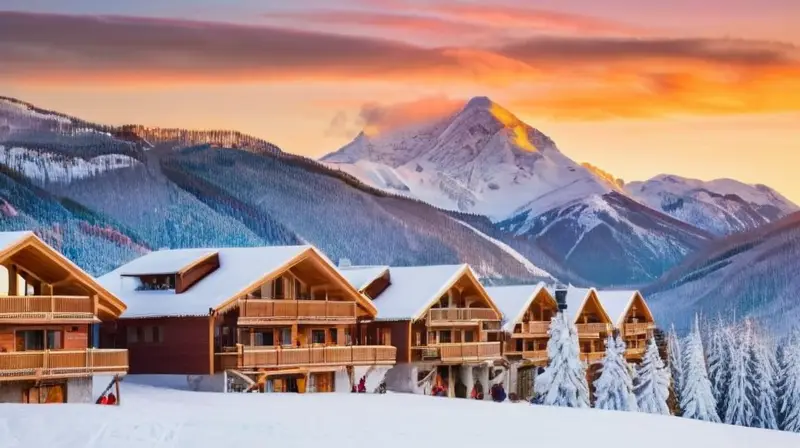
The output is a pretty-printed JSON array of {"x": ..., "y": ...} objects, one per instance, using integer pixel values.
[
  {"x": 158, "y": 334},
  {"x": 469, "y": 336},
  {"x": 317, "y": 336},
  {"x": 265, "y": 338},
  {"x": 334, "y": 336},
  {"x": 277, "y": 288},
  {"x": 286, "y": 336},
  {"x": 347, "y": 338},
  {"x": 30, "y": 340},
  {"x": 445, "y": 337},
  {"x": 54, "y": 340}
]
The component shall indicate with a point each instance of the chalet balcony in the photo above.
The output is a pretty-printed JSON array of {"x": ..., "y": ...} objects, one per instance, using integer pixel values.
[
  {"x": 536, "y": 356},
  {"x": 457, "y": 352},
  {"x": 634, "y": 352},
  {"x": 449, "y": 316},
  {"x": 263, "y": 311},
  {"x": 592, "y": 330},
  {"x": 254, "y": 357},
  {"x": 635, "y": 329},
  {"x": 591, "y": 357},
  {"x": 533, "y": 329},
  {"x": 44, "y": 309},
  {"x": 36, "y": 365}
]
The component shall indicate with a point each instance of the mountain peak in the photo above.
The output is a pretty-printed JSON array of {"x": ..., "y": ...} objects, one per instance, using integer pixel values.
[{"x": 479, "y": 102}]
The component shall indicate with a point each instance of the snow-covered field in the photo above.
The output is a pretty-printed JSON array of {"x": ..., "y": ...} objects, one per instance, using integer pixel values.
[{"x": 162, "y": 417}]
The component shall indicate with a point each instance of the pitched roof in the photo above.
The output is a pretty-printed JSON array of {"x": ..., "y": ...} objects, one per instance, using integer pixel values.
[
  {"x": 11, "y": 240},
  {"x": 166, "y": 261},
  {"x": 513, "y": 301},
  {"x": 617, "y": 303},
  {"x": 414, "y": 289},
  {"x": 240, "y": 268},
  {"x": 361, "y": 276}
]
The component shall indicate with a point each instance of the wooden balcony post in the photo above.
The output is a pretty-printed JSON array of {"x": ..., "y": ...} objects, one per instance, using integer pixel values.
[
  {"x": 52, "y": 306},
  {"x": 95, "y": 304}
]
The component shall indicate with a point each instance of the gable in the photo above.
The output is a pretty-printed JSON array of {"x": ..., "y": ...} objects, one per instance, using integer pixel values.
[
  {"x": 592, "y": 307},
  {"x": 639, "y": 307},
  {"x": 45, "y": 266},
  {"x": 466, "y": 289}
]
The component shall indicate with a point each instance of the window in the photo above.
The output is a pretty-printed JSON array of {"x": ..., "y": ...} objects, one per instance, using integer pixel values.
[
  {"x": 277, "y": 288},
  {"x": 286, "y": 336},
  {"x": 469, "y": 336},
  {"x": 133, "y": 335},
  {"x": 158, "y": 334},
  {"x": 317, "y": 336},
  {"x": 148, "y": 334},
  {"x": 156, "y": 283},
  {"x": 265, "y": 338},
  {"x": 418, "y": 338},
  {"x": 445, "y": 337},
  {"x": 334, "y": 336},
  {"x": 27, "y": 340},
  {"x": 348, "y": 340}
]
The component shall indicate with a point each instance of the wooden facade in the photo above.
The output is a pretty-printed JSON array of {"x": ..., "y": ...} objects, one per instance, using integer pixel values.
[
  {"x": 49, "y": 309},
  {"x": 291, "y": 330},
  {"x": 637, "y": 327},
  {"x": 528, "y": 340},
  {"x": 594, "y": 326}
]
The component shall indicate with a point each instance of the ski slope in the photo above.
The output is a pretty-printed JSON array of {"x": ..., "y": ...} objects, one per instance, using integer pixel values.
[{"x": 160, "y": 417}]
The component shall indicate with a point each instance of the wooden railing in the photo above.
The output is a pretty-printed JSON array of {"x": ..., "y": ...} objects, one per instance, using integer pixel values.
[
  {"x": 635, "y": 352},
  {"x": 535, "y": 355},
  {"x": 456, "y": 314},
  {"x": 244, "y": 357},
  {"x": 637, "y": 328},
  {"x": 62, "y": 363},
  {"x": 254, "y": 310},
  {"x": 538, "y": 329},
  {"x": 46, "y": 308},
  {"x": 592, "y": 357},
  {"x": 592, "y": 329},
  {"x": 458, "y": 352}
]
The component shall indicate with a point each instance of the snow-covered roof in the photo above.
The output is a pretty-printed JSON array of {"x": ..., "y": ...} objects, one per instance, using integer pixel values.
[
  {"x": 513, "y": 301},
  {"x": 166, "y": 261},
  {"x": 576, "y": 299},
  {"x": 239, "y": 269},
  {"x": 617, "y": 302},
  {"x": 9, "y": 239},
  {"x": 362, "y": 276},
  {"x": 414, "y": 289}
]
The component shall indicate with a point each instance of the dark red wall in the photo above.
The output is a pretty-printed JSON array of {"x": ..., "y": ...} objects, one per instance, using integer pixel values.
[
  {"x": 184, "y": 348},
  {"x": 399, "y": 332}
]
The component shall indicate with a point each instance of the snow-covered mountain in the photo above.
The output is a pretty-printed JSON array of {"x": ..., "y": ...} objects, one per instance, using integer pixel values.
[
  {"x": 749, "y": 274},
  {"x": 484, "y": 160},
  {"x": 480, "y": 160},
  {"x": 722, "y": 206}
]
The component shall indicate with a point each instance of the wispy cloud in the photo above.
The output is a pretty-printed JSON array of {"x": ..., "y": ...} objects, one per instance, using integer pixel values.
[{"x": 573, "y": 77}]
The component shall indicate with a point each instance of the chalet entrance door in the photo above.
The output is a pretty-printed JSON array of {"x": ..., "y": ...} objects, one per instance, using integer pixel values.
[
  {"x": 49, "y": 393},
  {"x": 525, "y": 378}
]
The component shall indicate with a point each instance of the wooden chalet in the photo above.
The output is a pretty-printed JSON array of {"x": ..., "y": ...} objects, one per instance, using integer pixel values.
[
  {"x": 445, "y": 326},
  {"x": 592, "y": 322},
  {"x": 279, "y": 319},
  {"x": 527, "y": 311},
  {"x": 49, "y": 314},
  {"x": 631, "y": 317}
]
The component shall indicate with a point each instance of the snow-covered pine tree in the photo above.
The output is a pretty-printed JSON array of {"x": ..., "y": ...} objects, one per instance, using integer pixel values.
[
  {"x": 720, "y": 340},
  {"x": 675, "y": 359},
  {"x": 739, "y": 409},
  {"x": 652, "y": 382},
  {"x": 790, "y": 385},
  {"x": 614, "y": 388},
  {"x": 697, "y": 400},
  {"x": 563, "y": 383},
  {"x": 763, "y": 377}
]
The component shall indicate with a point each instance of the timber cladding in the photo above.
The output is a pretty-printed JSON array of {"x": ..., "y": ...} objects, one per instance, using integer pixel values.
[
  {"x": 197, "y": 272},
  {"x": 399, "y": 337},
  {"x": 167, "y": 345}
]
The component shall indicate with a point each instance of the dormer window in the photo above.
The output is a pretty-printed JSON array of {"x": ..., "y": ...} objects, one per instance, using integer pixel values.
[{"x": 156, "y": 283}]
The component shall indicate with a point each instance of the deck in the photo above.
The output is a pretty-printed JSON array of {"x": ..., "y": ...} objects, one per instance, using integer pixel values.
[
  {"x": 638, "y": 328},
  {"x": 456, "y": 353},
  {"x": 47, "y": 309},
  {"x": 46, "y": 364},
  {"x": 533, "y": 330},
  {"x": 250, "y": 357},
  {"x": 451, "y": 316},
  {"x": 264, "y": 311},
  {"x": 593, "y": 330}
]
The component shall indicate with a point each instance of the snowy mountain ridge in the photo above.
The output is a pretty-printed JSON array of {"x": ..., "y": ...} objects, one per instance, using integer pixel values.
[
  {"x": 721, "y": 206},
  {"x": 481, "y": 160}
]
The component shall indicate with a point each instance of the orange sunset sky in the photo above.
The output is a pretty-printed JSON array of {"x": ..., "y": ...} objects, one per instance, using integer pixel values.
[{"x": 699, "y": 89}]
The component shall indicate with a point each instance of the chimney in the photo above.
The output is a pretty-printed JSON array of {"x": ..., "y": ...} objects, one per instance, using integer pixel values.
[
  {"x": 561, "y": 297},
  {"x": 345, "y": 263}
]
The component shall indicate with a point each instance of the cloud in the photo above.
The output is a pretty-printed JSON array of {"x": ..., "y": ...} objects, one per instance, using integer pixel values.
[
  {"x": 568, "y": 77},
  {"x": 376, "y": 117}
]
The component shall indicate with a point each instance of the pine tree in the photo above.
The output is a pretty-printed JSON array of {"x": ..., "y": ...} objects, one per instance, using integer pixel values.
[
  {"x": 675, "y": 357},
  {"x": 739, "y": 409},
  {"x": 697, "y": 400},
  {"x": 764, "y": 385},
  {"x": 563, "y": 383},
  {"x": 790, "y": 385},
  {"x": 719, "y": 359},
  {"x": 652, "y": 382},
  {"x": 614, "y": 388}
]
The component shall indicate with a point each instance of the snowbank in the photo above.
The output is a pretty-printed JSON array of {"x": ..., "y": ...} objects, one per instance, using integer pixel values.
[{"x": 160, "y": 417}]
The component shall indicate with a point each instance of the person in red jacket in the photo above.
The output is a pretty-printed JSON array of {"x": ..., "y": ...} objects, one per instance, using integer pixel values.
[
  {"x": 112, "y": 399},
  {"x": 362, "y": 386},
  {"x": 103, "y": 400}
]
